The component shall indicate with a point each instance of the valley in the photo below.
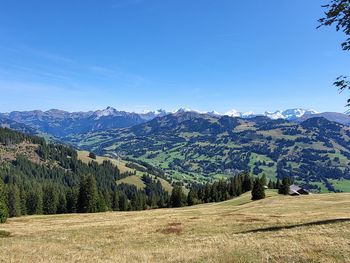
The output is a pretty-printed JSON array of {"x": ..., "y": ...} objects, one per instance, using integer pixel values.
[
  {"x": 189, "y": 146},
  {"x": 198, "y": 147},
  {"x": 175, "y": 131}
]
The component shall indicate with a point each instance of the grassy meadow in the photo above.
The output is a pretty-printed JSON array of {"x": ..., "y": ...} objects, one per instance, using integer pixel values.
[
  {"x": 122, "y": 166},
  {"x": 314, "y": 228}
]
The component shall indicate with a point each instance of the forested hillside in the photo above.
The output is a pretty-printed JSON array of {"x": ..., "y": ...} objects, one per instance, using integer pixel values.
[
  {"x": 41, "y": 178},
  {"x": 199, "y": 147}
]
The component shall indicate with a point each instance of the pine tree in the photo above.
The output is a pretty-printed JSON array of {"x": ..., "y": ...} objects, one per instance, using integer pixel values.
[
  {"x": 101, "y": 205},
  {"x": 88, "y": 195},
  {"x": 214, "y": 194},
  {"x": 192, "y": 198},
  {"x": 22, "y": 196},
  {"x": 115, "y": 200},
  {"x": 207, "y": 190},
  {"x": 232, "y": 188},
  {"x": 258, "y": 191},
  {"x": 238, "y": 185},
  {"x": 62, "y": 203},
  {"x": 123, "y": 202},
  {"x": 177, "y": 198},
  {"x": 50, "y": 200},
  {"x": 284, "y": 187},
  {"x": 71, "y": 199},
  {"x": 247, "y": 182},
  {"x": 34, "y": 202},
  {"x": 3, "y": 207},
  {"x": 13, "y": 201}
]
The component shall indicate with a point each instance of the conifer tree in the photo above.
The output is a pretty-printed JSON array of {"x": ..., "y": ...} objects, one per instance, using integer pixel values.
[
  {"x": 232, "y": 188},
  {"x": 72, "y": 200},
  {"x": 3, "y": 207},
  {"x": 115, "y": 200},
  {"x": 50, "y": 200},
  {"x": 247, "y": 182},
  {"x": 177, "y": 198},
  {"x": 3, "y": 212},
  {"x": 284, "y": 187},
  {"x": 88, "y": 195},
  {"x": 214, "y": 194},
  {"x": 13, "y": 201},
  {"x": 34, "y": 202},
  {"x": 258, "y": 191},
  {"x": 61, "y": 203},
  {"x": 207, "y": 191},
  {"x": 22, "y": 196},
  {"x": 238, "y": 185},
  {"x": 123, "y": 202},
  {"x": 191, "y": 198},
  {"x": 101, "y": 205}
]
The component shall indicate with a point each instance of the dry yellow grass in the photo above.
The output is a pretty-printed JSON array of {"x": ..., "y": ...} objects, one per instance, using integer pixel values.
[
  {"x": 84, "y": 157},
  {"x": 232, "y": 231},
  {"x": 134, "y": 180}
]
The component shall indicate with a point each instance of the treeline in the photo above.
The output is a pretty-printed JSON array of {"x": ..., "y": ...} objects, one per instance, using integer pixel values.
[
  {"x": 84, "y": 198},
  {"x": 212, "y": 192},
  {"x": 9, "y": 137},
  {"x": 60, "y": 183}
]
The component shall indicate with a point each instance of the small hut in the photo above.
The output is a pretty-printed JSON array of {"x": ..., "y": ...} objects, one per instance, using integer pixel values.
[{"x": 296, "y": 190}]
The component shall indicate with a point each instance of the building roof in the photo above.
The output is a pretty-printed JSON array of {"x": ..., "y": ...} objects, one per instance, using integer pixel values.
[{"x": 294, "y": 190}]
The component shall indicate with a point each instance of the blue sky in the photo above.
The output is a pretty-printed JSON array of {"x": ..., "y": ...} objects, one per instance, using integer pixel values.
[{"x": 147, "y": 54}]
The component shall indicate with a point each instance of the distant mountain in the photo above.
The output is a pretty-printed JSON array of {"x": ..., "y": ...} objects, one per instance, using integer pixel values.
[
  {"x": 153, "y": 114},
  {"x": 61, "y": 123},
  {"x": 331, "y": 116},
  {"x": 290, "y": 114},
  {"x": 10, "y": 124},
  {"x": 199, "y": 147},
  {"x": 64, "y": 125}
]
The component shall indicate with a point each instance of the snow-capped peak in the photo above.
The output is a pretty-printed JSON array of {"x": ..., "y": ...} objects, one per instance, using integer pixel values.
[
  {"x": 109, "y": 111},
  {"x": 181, "y": 110},
  {"x": 213, "y": 113},
  {"x": 233, "y": 113},
  {"x": 274, "y": 115},
  {"x": 290, "y": 114},
  {"x": 149, "y": 115},
  {"x": 248, "y": 114}
]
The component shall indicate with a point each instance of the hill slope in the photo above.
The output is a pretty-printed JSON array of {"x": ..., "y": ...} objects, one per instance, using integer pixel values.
[
  {"x": 313, "y": 228},
  {"x": 48, "y": 178},
  {"x": 198, "y": 147}
]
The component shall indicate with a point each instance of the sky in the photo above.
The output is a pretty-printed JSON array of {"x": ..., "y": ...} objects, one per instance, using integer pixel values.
[{"x": 138, "y": 55}]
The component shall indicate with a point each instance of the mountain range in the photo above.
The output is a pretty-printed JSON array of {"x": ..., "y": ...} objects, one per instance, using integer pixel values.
[
  {"x": 61, "y": 124},
  {"x": 190, "y": 146},
  {"x": 199, "y": 147}
]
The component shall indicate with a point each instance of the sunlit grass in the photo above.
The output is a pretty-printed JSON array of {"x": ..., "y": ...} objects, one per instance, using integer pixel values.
[{"x": 214, "y": 232}]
